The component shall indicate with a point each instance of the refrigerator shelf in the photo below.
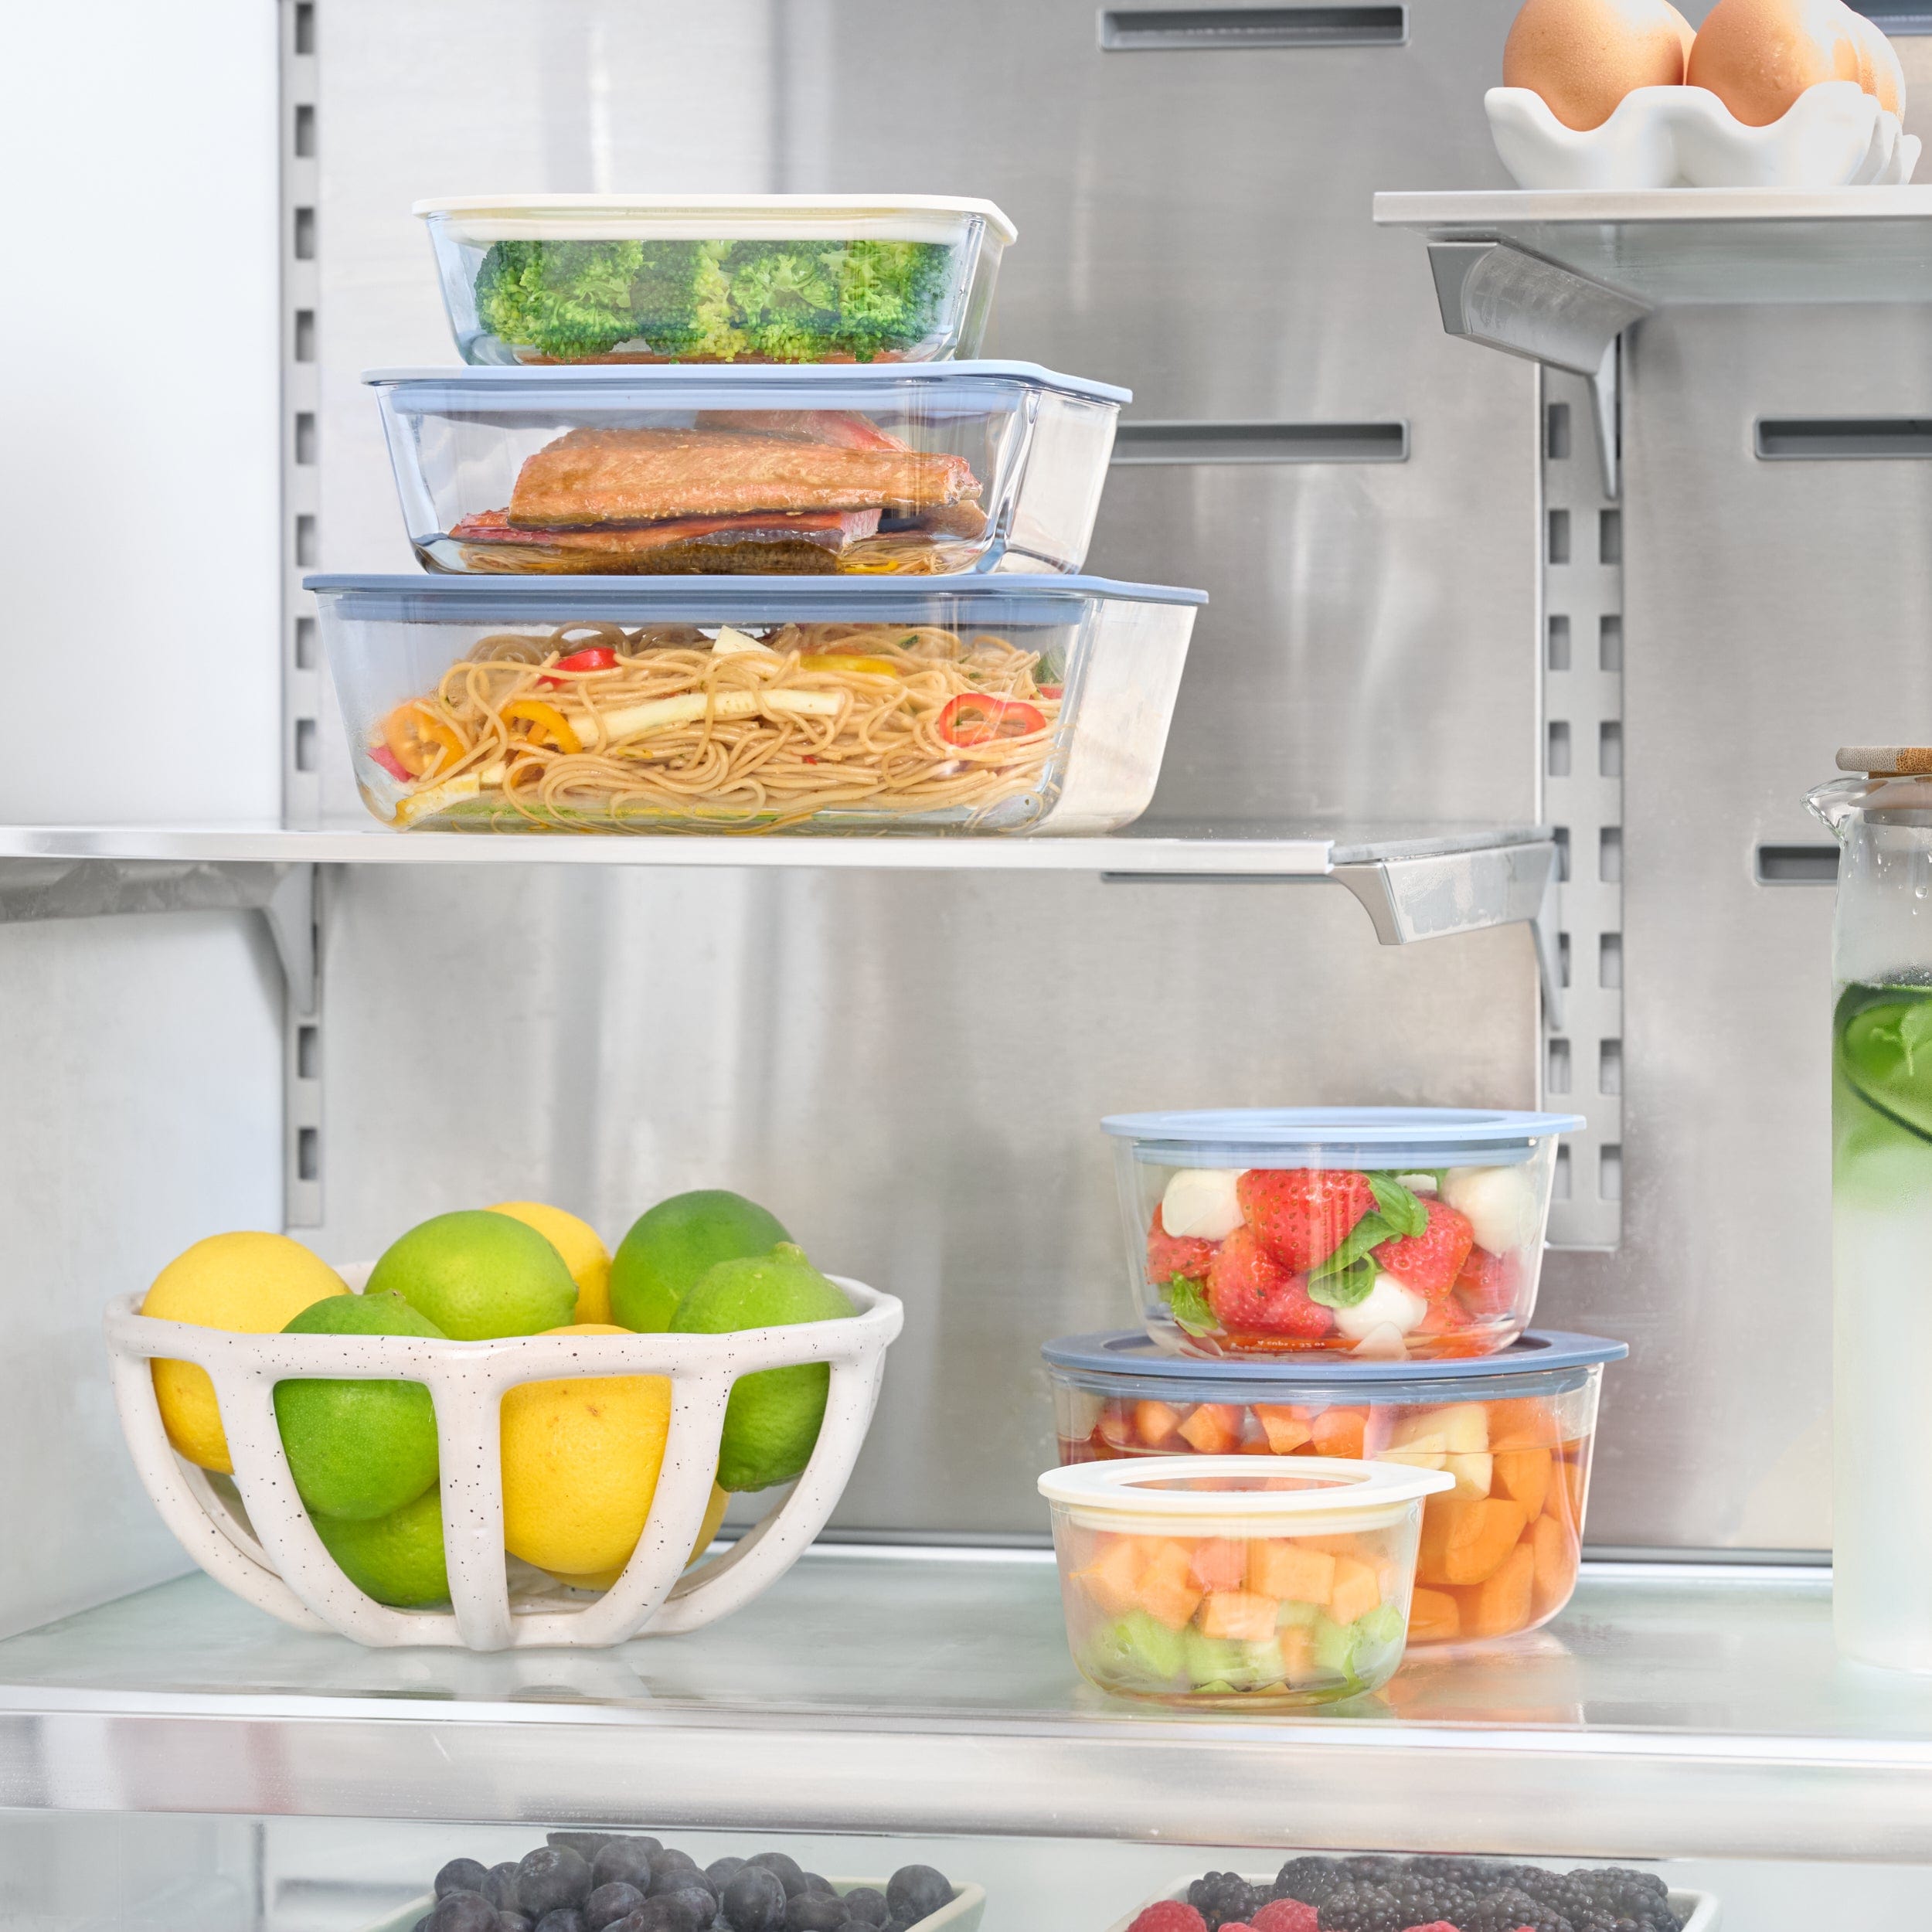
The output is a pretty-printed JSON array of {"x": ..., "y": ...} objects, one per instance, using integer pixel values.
[{"x": 1672, "y": 1711}]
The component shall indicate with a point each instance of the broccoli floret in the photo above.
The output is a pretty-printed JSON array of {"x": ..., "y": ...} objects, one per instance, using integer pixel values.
[
  {"x": 856, "y": 298},
  {"x": 563, "y": 299},
  {"x": 890, "y": 293},
  {"x": 785, "y": 298}
]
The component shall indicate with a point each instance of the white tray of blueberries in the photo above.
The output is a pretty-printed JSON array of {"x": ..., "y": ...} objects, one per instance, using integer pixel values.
[{"x": 608, "y": 1882}]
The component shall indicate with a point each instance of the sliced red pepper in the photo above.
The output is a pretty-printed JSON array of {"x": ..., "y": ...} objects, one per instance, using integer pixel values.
[
  {"x": 977, "y": 718},
  {"x": 391, "y": 764},
  {"x": 599, "y": 657},
  {"x": 1053, "y": 691}
]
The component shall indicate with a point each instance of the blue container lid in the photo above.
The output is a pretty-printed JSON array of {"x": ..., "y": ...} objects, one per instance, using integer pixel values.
[
  {"x": 1132, "y": 1355},
  {"x": 673, "y": 377},
  {"x": 1377, "y": 1137},
  {"x": 1017, "y": 598}
]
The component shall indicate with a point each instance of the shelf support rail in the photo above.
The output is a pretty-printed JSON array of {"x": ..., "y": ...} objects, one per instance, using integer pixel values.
[{"x": 1504, "y": 297}]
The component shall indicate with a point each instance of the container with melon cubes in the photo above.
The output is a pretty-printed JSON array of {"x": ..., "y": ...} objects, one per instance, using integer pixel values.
[
  {"x": 1233, "y": 1582},
  {"x": 1513, "y": 1432}
]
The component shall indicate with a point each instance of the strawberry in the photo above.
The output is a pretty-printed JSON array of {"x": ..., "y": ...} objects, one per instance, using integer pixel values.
[
  {"x": 1487, "y": 1284},
  {"x": 1247, "y": 1289},
  {"x": 1168, "y": 1255},
  {"x": 1430, "y": 1262},
  {"x": 1302, "y": 1215},
  {"x": 1285, "y": 1915},
  {"x": 1171, "y": 1915}
]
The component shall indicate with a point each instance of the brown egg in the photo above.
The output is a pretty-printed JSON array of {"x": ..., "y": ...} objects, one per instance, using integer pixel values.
[
  {"x": 1583, "y": 56},
  {"x": 1757, "y": 56},
  {"x": 1879, "y": 72}
]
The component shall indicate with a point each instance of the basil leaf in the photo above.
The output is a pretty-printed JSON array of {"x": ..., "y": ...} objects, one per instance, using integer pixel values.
[
  {"x": 1345, "y": 1289},
  {"x": 1188, "y": 1305},
  {"x": 1370, "y": 1231},
  {"x": 1398, "y": 1206}
]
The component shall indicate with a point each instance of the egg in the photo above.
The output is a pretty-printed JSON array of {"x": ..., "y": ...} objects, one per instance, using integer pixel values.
[
  {"x": 1886, "y": 77},
  {"x": 1583, "y": 56},
  {"x": 1757, "y": 56}
]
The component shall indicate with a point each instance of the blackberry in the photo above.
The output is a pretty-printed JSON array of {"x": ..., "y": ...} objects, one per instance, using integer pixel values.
[
  {"x": 1222, "y": 1898},
  {"x": 1511, "y": 1911},
  {"x": 1424, "y": 1897},
  {"x": 1352, "y": 1907},
  {"x": 1309, "y": 1879},
  {"x": 1561, "y": 1892}
]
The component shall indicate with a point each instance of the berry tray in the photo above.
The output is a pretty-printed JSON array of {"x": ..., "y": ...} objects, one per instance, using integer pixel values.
[
  {"x": 964, "y": 1914},
  {"x": 1695, "y": 1911},
  {"x": 253, "y": 1536}
]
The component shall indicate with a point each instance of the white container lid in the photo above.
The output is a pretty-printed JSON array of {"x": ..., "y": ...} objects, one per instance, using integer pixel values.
[
  {"x": 1240, "y": 1495},
  {"x": 760, "y": 217}
]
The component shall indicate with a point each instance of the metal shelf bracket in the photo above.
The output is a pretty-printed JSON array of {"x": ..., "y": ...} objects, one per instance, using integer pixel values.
[{"x": 1504, "y": 297}]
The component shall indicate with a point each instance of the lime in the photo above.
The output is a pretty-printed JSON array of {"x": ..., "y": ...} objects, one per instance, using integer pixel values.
[
  {"x": 671, "y": 1246},
  {"x": 771, "y": 1421},
  {"x": 584, "y": 1254},
  {"x": 477, "y": 1274},
  {"x": 358, "y": 1449},
  {"x": 396, "y": 1558},
  {"x": 249, "y": 1284},
  {"x": 580, "y": 1461}
]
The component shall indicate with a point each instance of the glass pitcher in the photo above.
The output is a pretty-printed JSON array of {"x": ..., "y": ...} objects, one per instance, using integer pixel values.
[{"x": 1882, "y": 1205}]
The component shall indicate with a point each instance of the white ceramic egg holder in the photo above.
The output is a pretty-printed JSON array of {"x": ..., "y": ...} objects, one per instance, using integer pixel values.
[
  {"x": 1833, "y": 135},
  {"x": 273, "y": 1558}
]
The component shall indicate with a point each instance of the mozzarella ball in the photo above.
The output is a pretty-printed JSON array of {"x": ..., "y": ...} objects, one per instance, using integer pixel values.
[
  {"x": 1200, "y": 1202},
  {"x": 1499, "y": 1202}
]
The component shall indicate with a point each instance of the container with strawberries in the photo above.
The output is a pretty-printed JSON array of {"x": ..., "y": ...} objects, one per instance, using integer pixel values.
[{"x": 1386, "y": 1234}]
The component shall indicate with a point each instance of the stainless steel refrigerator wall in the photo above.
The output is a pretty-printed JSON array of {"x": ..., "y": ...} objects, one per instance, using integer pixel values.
[{"x": 911, "y": 1068}]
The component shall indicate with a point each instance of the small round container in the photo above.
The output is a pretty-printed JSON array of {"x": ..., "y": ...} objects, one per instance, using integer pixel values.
[
  {"x": 717, "y": 278},
  {"x": 1383, "y": 1233},
  {"x": 1514, "y": 1431},
  {"x": 1237, "y": 1582}
]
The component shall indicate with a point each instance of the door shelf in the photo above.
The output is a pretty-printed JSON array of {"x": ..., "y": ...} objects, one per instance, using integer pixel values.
[{"x": 1670, "y": 1711}]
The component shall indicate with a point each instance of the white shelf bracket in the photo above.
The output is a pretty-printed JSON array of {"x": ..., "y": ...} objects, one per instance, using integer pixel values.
[
  {"x": 1503, "y": 297},
  {"x": 289, "y": 912}
]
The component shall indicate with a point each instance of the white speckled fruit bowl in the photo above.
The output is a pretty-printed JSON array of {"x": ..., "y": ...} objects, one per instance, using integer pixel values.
[
  {"x": 265, "y": 1549},
  {"x": 1833, "y": 135}
]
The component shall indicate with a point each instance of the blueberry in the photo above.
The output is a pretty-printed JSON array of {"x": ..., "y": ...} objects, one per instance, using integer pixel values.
[
  {"x": 790, "y": 1877},
  {"x": 625, "y": 1861},
  {"x": 422, "y": 1924},
  {"x": 511, "y": 1922},
  {"x": 610, "y": 1903},
  {"x": 822, "y": 1886},
  {"x": 586, "y": 1844},
  {"x": 459, "y": 1875},
  {"x": 462, "y": 1912},
  {"x": 550, "y": 1878},
  {"x": 666, "y": 1913},
  {"x": 915, "y": 1892},
  {"x": 719, "y": 1871},
  {"x": 499, "y": 1887},
  {"x": 754, "y": 1899},
  {"x": 566, "y": 1918},
  {"x": 670, "y": 1870},
  {"x": 694, "y": 1901},
  {"x": 815, "y": 1912},
  {"x": 866, "y": 1904}
]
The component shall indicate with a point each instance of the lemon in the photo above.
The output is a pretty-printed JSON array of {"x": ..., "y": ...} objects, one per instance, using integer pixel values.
[
  {"x": 478, "y": 1275},
  {"x": 713, "y": 1515},
  {"x": 580, "y": 1463},
  {"x": 583, "y": 1253},
  {"x": 248, "y": 1283},
  {"x": 397, "y": 1559}
]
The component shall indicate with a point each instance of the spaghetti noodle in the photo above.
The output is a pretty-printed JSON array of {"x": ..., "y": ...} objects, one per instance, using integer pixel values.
[{"x": 593, "y": 726}]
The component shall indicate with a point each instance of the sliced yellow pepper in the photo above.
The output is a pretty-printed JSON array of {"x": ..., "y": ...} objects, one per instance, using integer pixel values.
[
  {"x": 849, "y": 661},
  {"x": 415, "y": 731},
  {"x": 545, "y": 721}
]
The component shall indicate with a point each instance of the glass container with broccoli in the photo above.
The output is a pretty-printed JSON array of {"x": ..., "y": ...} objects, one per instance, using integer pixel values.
[{"x": 785, "y": 279}]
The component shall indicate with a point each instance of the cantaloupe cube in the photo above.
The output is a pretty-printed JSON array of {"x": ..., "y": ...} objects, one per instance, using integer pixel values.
[
  {"x": 1354, "y": 1592},
  {"x": 1434, "y": 1617},
  {"x": 1165, "y": 1590},
  {"x": 1523, "y": 1423},
  {"x": 1290, "y": 1571},
  {"x": 1297, "y": 1655},
  {"x": 1213, "y": 1430},
  {"x": 1236, "y": 1613},
  {"x": 1340, "y": 1432},
  {"x": 1154, "y": 1423},
  {"x": 1523, "y": 1474},
  {"x": 1465, "y": 1540},
  {"x": 1220, "y": 1563},
  {"x": 1111, "y": 1578},
  {"x": 1501, "y": 1603},
  {"x": 1554, "y": 1549},
  {"x": 1286, "y": 1429}
]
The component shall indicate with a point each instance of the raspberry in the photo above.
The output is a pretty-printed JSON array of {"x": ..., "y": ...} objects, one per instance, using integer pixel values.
[
  {"x": 1168, "y": 1255},
  {"x": 1285, "y": 1915},
  {"x": 1248, "y": 1289},
  {"x": 1170, "y": 1915},
  {"x": 1302, "y": 1215},
  {"x": 1437, "y": 1925},
  {"x": 1428, "y": 1262}
]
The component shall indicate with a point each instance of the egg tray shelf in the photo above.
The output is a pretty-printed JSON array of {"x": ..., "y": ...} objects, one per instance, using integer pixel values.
[{"x": 267, "y": 1552}]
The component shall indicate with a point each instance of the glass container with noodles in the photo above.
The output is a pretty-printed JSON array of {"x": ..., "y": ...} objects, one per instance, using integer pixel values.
[{"x": 974, "y": 705}]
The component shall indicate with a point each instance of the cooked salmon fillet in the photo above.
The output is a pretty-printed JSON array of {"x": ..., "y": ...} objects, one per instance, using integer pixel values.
[{"x": 590, "y": 476}]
